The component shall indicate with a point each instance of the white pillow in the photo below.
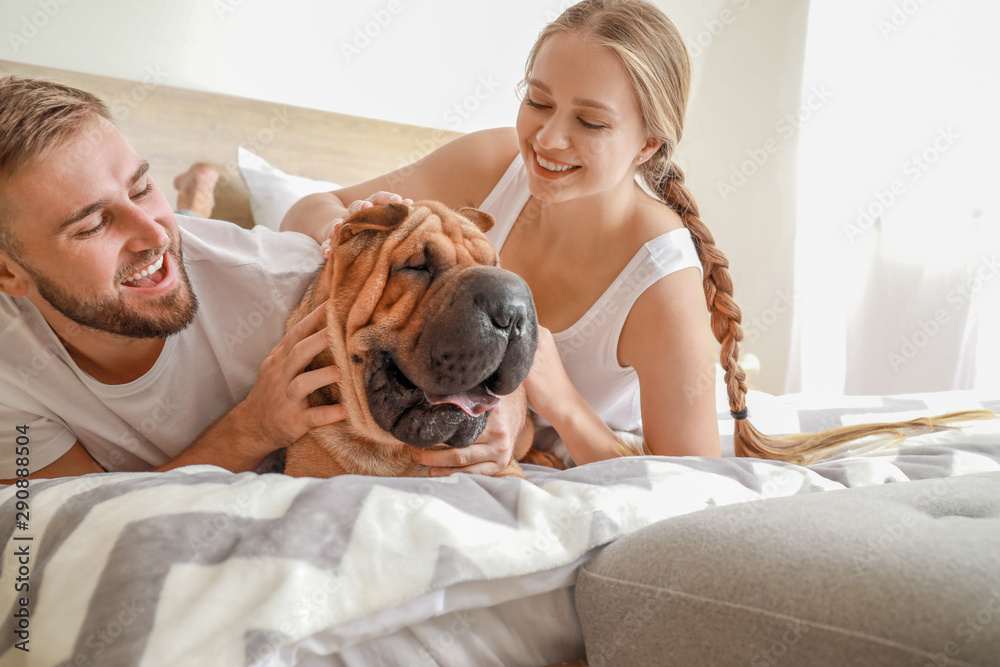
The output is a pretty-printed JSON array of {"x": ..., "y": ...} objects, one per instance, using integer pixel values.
[{"x": 272, "y": 191}]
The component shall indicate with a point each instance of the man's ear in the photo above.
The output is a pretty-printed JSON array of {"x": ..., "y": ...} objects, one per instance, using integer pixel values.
[{"x": 11, "y": 280}]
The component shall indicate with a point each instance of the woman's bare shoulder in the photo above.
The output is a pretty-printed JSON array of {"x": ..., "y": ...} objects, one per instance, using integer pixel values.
[
  {"x": 478, "y": 160},
  {"x": 653, "y": 218},
  {"x": 462, "y": 172}
]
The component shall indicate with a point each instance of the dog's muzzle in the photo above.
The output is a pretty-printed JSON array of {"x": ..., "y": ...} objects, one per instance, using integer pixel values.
[{"x": 477, "y": 347}]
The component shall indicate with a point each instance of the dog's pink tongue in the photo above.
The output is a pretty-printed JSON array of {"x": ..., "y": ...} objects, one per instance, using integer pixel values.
[{"x": 474, "y": 402}]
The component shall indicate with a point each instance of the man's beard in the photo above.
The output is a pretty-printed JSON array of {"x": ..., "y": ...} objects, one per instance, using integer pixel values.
[{"x": 113, "y": 315}]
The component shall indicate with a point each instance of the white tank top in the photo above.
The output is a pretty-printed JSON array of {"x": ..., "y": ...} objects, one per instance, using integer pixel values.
[{"x": 589, "y": 348}]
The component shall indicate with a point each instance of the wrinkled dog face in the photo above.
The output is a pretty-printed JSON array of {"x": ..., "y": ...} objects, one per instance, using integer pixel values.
[{"x": 437, "y": 332}]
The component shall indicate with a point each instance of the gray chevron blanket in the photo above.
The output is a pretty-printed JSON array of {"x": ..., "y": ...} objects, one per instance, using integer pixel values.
[{"x": 199, "y": 566}]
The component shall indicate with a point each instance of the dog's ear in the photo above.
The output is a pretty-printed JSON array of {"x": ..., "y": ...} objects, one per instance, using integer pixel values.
[
  {"x": 482, "y": 220},
  {"x": 382, "y": 218}
]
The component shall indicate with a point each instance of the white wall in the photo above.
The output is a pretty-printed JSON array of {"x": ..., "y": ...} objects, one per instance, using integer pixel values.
[
  {"x": 454, "y": 64},
  {"x": 397, "y": 60},
  {"x": 899, "y": 208}
]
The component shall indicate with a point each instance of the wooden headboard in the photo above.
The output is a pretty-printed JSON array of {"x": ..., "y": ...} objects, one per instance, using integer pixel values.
[{"x": 173, "y": 128}]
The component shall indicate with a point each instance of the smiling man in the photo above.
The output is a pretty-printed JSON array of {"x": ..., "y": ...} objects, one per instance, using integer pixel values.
[
  {"x": 132, "y": 338},
  {"x": 124, "y": 335}
]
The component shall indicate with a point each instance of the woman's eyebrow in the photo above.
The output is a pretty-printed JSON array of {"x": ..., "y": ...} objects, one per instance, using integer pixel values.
[{"x": 578, "y": 101}]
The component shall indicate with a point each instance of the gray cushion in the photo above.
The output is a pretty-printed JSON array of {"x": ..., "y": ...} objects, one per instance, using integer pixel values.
[{"x": 901, "y": 574}]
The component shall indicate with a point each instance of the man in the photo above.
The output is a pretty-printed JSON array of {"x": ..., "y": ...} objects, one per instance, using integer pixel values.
[{"x": 132, "y": 338}]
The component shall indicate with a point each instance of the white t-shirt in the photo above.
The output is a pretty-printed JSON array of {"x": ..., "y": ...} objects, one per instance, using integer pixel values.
[
  {"x": 589, "y": 348},
  {"x": 246, "y": 283}
]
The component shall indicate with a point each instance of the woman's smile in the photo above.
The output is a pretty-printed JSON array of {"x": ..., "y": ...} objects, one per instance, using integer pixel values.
[{"x": 553, "y": 169}]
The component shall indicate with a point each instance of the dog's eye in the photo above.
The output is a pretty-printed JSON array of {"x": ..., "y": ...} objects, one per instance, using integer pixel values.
[
  {"x": 417, "y": 267},
  {"x": 421, "y": 262}
]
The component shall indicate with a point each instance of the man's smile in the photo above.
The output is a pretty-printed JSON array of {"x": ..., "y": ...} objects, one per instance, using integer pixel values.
[{"x": 151, "y": 271}]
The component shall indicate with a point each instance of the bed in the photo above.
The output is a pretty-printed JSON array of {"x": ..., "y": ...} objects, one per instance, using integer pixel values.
[{"x": 199, "y": 566}]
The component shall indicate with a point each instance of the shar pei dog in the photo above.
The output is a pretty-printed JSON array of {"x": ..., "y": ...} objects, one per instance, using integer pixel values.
[{"x": 428, "y": 333}]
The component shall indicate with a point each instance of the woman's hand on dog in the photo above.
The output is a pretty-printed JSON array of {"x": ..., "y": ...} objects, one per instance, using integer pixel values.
[
  {"x": 277, "y": 407},
  {"x": 494, "y": 449},
  {"x": 491, "y": 453},
  {"x": 377, "y": 199}
]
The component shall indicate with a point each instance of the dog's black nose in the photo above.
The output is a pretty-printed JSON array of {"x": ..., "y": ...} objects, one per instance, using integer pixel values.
[
  {"x": 487, "y": 331},
  {"x": 507, "y": 306}
]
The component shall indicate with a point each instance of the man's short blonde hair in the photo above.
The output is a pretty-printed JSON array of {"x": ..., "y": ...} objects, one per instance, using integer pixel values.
[{"x": 36, "y": 117}]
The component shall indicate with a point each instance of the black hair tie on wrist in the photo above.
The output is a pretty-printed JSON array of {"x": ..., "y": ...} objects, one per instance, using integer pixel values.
[{"x": 742, "y": 414}]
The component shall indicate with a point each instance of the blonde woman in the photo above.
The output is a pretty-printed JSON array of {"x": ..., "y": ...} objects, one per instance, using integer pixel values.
[
  {"x": 626, "y": 341},
  {"x": 621, "y": 278}
]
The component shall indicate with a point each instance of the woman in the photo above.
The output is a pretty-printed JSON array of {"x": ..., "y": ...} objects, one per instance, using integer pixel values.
[{"x": 616, "y": 274}]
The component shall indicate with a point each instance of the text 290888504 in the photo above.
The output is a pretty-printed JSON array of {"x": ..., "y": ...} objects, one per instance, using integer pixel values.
[{"x": 22, "y": 552}]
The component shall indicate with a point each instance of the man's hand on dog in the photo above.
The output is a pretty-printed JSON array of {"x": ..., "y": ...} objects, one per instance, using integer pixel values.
[
  {"x": 277, "y": 407},
  {"x": 489, "y": 454}
]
